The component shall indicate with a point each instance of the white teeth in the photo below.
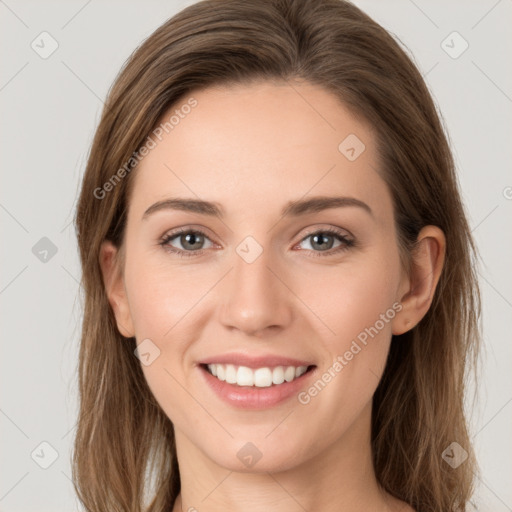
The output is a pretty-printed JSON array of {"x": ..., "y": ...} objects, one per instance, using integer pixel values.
[
  {"x": 221, "y": 372},
  {"x": 263, "y": 377},
  {"x": 244, "y": 376},
  {"x": 301, "y": 370},
  {"x": 289, "y": 374},
  {"x": 278, "y": 375},
  {"x": 260, "y": 377},
  {"x": 230, "y": 374}
]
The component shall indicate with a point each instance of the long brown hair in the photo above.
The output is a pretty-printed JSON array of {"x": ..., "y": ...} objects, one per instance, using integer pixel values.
[{"x": 124, "y": 455}]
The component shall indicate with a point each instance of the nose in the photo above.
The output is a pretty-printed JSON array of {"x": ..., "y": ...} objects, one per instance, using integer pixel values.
[{"x": 254, "y": 297}]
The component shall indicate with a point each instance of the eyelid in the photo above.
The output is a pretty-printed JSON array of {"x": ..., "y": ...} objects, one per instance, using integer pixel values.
[
  {"x": 188, "y": 229},
  {"x": 326, "y": 227}
]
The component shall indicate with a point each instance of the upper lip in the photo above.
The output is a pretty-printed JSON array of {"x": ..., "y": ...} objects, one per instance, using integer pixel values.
[{"x": 262, "y": 361}]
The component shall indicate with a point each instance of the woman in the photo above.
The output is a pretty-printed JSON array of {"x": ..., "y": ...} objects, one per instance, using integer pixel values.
[{"x": 281, "y": 304}]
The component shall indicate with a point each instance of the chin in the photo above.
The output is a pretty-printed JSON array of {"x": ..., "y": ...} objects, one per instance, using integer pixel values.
[{"x": 259, "y": 455}]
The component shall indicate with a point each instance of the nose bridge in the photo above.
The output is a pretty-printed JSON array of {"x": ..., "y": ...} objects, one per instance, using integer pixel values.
[{"x": 254, "y": 298}]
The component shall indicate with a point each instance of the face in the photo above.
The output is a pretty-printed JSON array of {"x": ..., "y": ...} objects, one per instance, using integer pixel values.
[{"x": 264, "y": 277}]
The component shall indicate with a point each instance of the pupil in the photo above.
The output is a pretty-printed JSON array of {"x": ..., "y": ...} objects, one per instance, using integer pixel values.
[
  {"x": 322, "y": 243},
  {"x": 191, "y": 239}
]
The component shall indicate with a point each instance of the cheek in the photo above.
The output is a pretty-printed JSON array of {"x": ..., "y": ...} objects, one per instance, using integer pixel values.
[
  {"x": 352, "y": 297},
  {"x": 167, "y": 304},
  {"x": 358, "y": 306},
  {"x": 161, "y": 295},
  {"x": 162, "y": 301}
]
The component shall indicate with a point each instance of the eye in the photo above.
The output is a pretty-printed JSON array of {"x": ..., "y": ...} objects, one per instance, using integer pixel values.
[
  {"x": 322, "y": 241},
  {"x": 190, "y": 240}
]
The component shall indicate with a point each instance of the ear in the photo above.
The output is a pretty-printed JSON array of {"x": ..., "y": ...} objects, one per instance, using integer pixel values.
[
  {"x": 114, "y": 287},
  {"x": 417, "y": 289}
]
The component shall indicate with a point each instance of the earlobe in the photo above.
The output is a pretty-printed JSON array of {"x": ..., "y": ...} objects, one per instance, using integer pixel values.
[
  {"x": 426, "y": 266},
  {"x": 115, "y": 289}
]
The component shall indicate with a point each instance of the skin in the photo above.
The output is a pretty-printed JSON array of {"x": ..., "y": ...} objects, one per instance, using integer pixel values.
[{"x": 252, "y": 149}]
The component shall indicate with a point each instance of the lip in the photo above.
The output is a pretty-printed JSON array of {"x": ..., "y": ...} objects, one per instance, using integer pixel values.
[
  {"x": 262, "y": 361},
  {"x": 252, "y": 397}
]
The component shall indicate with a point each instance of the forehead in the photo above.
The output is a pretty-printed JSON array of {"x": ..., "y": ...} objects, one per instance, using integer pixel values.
[{"x": 244, "y": 146}]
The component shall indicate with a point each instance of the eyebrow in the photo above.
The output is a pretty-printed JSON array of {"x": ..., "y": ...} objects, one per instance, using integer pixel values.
[{"x": 291, "y": 209}]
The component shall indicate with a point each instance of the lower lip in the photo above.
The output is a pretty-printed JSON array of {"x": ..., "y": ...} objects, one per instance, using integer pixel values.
[{"x": 252, "y": 397}]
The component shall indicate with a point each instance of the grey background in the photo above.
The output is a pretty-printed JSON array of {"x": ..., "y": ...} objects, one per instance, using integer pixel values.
[{"x": 49, "y": 110}]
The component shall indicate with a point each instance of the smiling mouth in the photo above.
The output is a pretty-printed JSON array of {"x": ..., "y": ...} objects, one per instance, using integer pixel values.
[{"x": 264, "y": 377}]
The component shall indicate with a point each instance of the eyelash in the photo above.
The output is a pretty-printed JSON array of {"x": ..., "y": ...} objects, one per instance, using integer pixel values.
[{"x": 346, "y": 242}]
